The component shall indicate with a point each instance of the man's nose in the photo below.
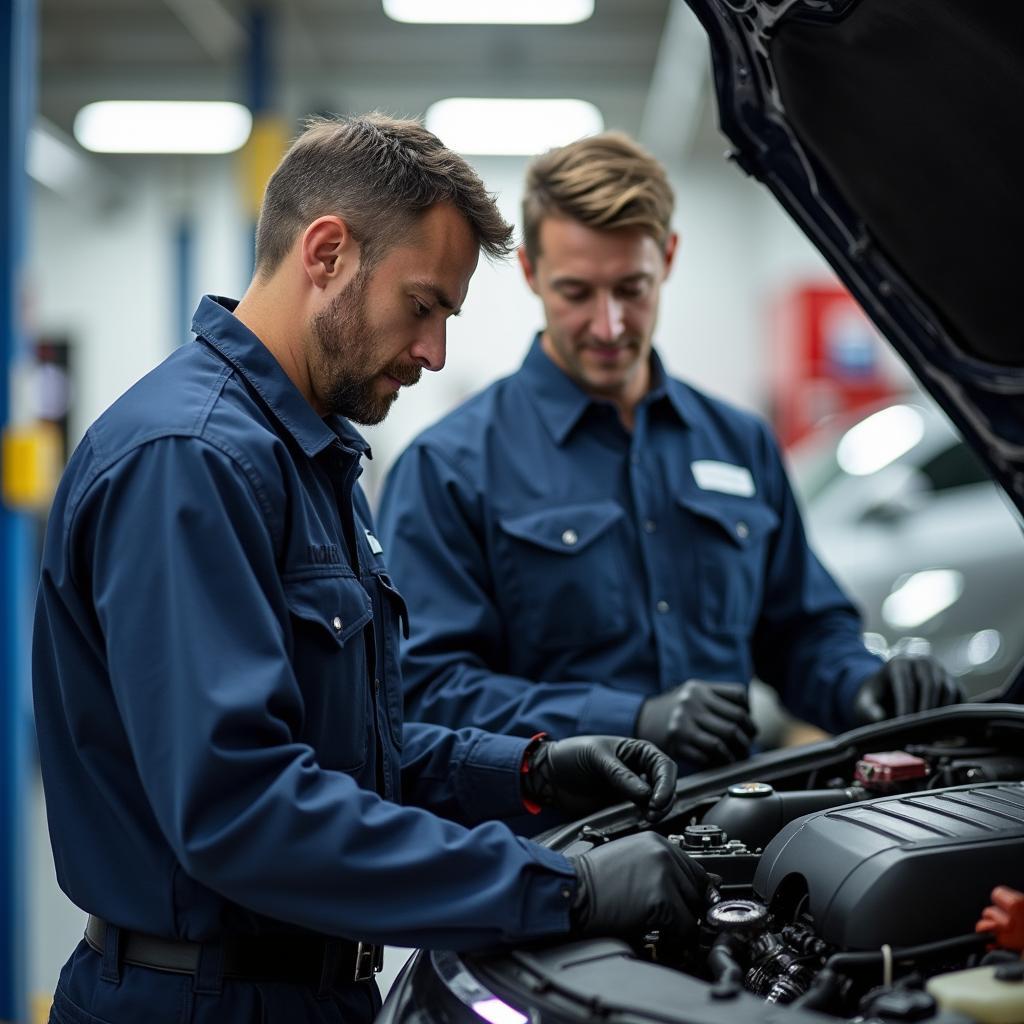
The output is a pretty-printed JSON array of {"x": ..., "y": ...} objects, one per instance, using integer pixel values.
[
  {"x": 430, "y": 347},
  {"x": 607, "y": 322}
]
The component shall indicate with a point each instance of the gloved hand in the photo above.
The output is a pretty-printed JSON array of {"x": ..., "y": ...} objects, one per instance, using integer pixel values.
[
  {"x": 704, "y": 723},
  {"x": 905, "y": 684},
  {"x": 632, "y": 886},
  {"x": 585, "y": 773}
]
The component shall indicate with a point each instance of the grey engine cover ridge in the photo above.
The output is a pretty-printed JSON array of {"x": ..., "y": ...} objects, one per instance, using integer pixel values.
[{"x": 900, "y": 869}]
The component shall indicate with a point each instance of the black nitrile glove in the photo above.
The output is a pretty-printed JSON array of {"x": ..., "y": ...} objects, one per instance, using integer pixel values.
[
  {"x": 636, "y": 885},
  {"x": 585, "y": 773},
  {"x": 905, "y": 684},
  {"x": 704, "y": 723}
]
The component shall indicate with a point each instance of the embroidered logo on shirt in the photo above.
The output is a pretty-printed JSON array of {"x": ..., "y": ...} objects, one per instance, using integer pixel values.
[
  {"x": 324, "y": 554},
  {"x": 720, "y": 476}
]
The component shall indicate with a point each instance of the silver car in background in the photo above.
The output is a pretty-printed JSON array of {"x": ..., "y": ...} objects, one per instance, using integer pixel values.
[{"x": 910, "y": 523}]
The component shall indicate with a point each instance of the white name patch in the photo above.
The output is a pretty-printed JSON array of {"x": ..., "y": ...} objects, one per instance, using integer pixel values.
[
  {"x": 374, "y": 543},
  {"x": 720, "y": 476}
]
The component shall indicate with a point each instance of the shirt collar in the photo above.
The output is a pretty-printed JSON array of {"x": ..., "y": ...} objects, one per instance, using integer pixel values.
[
  {"x": 214, "y": 321},
  {"x": 561, "y": 402}
]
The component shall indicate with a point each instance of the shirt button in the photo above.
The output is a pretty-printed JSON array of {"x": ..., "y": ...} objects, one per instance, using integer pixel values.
[
  {"x": 650, "y": 526},
  {"x": 662, "y": 606},
  {"x": 570, "y": 537},
  {"x": 742, "y": 530},
  {"x": 337, "y": 623}
]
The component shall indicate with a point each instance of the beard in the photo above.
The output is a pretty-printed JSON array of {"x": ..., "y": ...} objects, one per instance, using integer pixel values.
[{"x": 345, "y": 362}]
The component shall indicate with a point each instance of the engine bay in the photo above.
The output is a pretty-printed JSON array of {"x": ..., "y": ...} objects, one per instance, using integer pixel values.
[{"x": 855, "y": 886}]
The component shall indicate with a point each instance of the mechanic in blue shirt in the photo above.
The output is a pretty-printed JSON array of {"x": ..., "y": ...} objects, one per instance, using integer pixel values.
[
  {"x": 590, "y": 545},
  {"x": 215, "y": 657}
]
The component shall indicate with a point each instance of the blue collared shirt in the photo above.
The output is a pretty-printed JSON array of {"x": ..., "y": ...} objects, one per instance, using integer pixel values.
[
  {"x": 217, "y": 691},
  {"x": 560, "y": 569}
]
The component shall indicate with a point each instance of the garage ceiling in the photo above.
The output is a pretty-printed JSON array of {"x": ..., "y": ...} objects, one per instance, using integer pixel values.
[{"x": 341, "y": 55}]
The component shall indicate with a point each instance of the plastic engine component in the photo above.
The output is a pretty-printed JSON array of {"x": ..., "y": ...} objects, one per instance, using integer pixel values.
[
  {"x": 884, "y": 771},
  {"x": 753, "y": 812},
  {"x": 901, "y": 869}
]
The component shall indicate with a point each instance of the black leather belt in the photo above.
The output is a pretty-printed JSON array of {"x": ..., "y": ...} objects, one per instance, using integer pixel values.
[{"x": 293, "y": 958}]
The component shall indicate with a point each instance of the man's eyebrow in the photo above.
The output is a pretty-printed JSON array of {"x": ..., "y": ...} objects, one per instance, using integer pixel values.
[{"x": 440, "y": 295}]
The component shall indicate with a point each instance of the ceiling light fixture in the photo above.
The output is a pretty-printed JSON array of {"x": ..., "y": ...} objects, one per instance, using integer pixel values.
[
  {"x": 163, "y": 126},
  {"x": 506, "y": 127},
  {"x": 490, "y": 12}
]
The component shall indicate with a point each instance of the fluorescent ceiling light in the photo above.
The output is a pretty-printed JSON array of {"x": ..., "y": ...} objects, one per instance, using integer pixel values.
[
  {"x": 141, "y": 126},
  {"x": 490, "y": 12},
  {"x": 489, "y": 127},
  {"x": 921, "y": 596},
  {"x": 879, "y": 440}
]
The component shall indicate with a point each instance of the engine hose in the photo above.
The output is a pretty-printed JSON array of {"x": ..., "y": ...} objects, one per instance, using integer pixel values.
[
  {"x": 959, "y": 943},
  {"x": 727, "y": 973},
  {"x": 821, "y": 992}
]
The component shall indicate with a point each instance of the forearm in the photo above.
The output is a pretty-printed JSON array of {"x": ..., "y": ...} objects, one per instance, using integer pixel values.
[{"x": 464, "y": 692}]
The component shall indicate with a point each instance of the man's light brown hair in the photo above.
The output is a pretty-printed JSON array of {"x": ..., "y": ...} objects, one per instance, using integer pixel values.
[
  {"x": 606, "y": 181},
  {"x": 377, "y": 173}
]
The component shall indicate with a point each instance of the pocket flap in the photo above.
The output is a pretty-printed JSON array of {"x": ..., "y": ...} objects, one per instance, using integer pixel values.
[
  {"x": 568, "y": 529},
  {"x": 398, "y": 604},
  {"x": 743, "y": 522},
  {"x": 337, "y": 603}
]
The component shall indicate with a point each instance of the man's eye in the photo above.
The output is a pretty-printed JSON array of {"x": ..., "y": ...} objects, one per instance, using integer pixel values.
[
  {"x": 574, "y": 296},
  {"x": 420, "y": 310},
  {"x": 633, "y": 291}
]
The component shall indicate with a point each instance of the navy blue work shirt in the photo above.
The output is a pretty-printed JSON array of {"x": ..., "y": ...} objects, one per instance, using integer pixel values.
[
  {"x": 217, "y": 692},
  {"x": 560, "y": 569}
]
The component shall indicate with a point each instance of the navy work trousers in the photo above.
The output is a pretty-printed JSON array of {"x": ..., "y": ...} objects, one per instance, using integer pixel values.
[{"x": 94, "y": 989}]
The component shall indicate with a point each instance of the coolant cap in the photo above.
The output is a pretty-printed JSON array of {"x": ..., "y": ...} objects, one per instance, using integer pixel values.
[
  {"x": 737, "y": 915},
  {"x": 750, "y": 789}
]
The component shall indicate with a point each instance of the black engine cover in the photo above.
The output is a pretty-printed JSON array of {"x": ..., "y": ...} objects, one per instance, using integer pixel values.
[{"x": 899, "y": 869}]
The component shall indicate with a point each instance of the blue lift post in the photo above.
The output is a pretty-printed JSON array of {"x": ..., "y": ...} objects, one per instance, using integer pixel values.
[{"x": 17, "y": 86}]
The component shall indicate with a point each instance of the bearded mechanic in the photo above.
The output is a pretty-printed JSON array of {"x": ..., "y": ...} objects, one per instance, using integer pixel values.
[
  {"x": 591, "y": 545},
  {"x": 215, "y": 658}
]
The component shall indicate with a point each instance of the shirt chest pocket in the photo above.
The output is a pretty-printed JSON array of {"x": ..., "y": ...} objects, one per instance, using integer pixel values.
[
  {"x": 563, "y": 570},
  {"x": 328, "y": 615},
  {"x": 730, "y": 545}
]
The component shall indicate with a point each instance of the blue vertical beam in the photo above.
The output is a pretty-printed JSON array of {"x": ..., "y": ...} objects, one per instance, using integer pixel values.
[
  {"x": 17, "y": 106},
  {"x": 259, "y": 86}
]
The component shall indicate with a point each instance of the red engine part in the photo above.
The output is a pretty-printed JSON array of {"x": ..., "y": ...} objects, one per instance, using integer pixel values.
[
  {"x": 889, "y": 769},
  {"x": 1005, "y": 919}
]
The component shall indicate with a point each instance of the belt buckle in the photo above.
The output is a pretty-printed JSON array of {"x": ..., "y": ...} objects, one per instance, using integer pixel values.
[{"x": 369, "y": 961}]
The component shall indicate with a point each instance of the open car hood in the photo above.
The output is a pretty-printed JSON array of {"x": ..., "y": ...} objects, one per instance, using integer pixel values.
[{"x": 886, "y": 128}]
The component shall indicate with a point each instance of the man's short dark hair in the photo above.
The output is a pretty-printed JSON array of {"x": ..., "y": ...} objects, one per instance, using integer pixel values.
[{"x": 377, "y": 173}]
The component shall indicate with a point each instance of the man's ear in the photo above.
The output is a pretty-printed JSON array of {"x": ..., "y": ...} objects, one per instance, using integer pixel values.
[
  {"x": 328, "y": 251},
  {"x": 671, "y": 245},
  {"x": 529, "y": 270}
]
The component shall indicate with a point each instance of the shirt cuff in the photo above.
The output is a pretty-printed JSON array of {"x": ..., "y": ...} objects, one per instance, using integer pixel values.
[
  {"x": 489, "y": 780},
  {"x": 610, "y": 712},
  {"x": 846, "y": 692},
  {"x": 549, "y": 898}
]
